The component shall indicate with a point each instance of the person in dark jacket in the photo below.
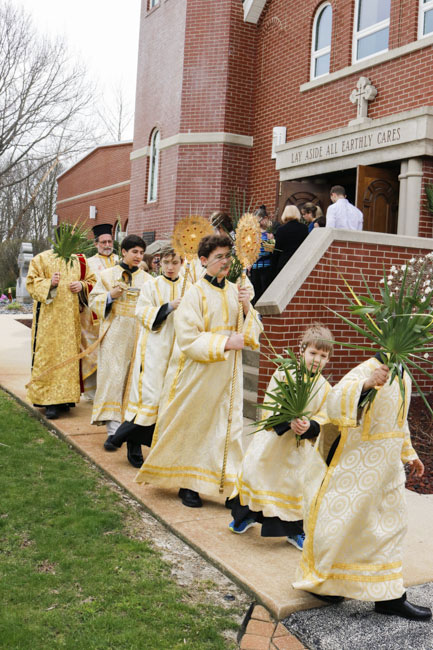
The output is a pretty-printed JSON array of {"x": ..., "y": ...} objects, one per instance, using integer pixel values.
[{"x": 288, "y": 238}]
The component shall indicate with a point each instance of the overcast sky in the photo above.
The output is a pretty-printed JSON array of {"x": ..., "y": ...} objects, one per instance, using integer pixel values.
[{"x": 102, "y": 33}]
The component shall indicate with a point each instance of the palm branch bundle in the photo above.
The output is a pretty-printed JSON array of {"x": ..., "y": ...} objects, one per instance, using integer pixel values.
[
  {"x": 398, "y": 325},
  {"x": 293, "y": 393},
  {"x": 71, "y": 239}
]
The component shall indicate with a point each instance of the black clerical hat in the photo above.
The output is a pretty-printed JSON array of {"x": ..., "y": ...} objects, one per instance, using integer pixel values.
[{"x": 102, "y": 229}]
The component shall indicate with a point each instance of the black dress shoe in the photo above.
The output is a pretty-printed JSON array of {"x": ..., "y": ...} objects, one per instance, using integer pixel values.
[
  {"x": 328, "y": 599},
  {"x": 134, "y": 454},
  {"x": 402, "y": 607},
  {"x": 108, "y": 445},
  {"x": 190, "y": 498},
  {"x": 51, "y": 412}
]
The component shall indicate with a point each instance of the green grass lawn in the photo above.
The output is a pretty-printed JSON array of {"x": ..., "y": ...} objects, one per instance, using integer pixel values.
[{"x": 70, "y": 576}]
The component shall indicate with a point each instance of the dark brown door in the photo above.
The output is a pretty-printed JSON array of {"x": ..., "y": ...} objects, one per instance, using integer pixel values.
[
  {"x": 300, "y": 192},
  {"x": 377, "y": 198}
]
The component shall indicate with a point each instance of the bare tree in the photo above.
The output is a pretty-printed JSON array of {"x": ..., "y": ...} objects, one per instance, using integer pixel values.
[
  {"x": 115, "y": 115},
  {"x": 41, "y": 98},
  {"x": 46, "y": 108}
]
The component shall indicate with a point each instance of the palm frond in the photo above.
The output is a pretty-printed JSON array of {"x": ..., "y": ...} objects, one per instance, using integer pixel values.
[
  {"x": 291, "y": 398},
  {"x": 399, "y": 325},
  {"x": 71, "y": 239}
]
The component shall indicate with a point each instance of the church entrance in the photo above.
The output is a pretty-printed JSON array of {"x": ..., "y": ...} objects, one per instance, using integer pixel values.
[
  {"x": 377, "y": 198},
  {"x": 373, "y": 189}
]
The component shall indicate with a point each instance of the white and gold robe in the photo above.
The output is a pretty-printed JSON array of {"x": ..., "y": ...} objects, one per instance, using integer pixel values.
[
  {"x": 117, "y": 347},
  {"x": 56, "y": 330},
  {"x": 356, "y": 507},
  {"x": 271, "y": 477},
  {"x": 189, "y": 439},
  {"x": 153, "y": 350},
  {"x": 90, "y": 325}
]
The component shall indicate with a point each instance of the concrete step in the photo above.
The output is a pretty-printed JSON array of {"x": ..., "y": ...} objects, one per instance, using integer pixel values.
[
  {"x": 250, "y": 401},
  {"x": 251, "y": 357},
  {"x": 251, "y": 378}
]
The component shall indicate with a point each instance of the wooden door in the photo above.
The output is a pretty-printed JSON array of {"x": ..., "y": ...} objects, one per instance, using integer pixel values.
[
  {"x": 300, "y": 192},
  {"x": 377, "y": 192}
]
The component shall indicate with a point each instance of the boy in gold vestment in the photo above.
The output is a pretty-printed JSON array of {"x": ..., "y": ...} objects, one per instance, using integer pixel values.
[
  {"x": 356, "y": 507},
  {"x": 269, "y": 484},
  {"x": 190, "y": 434},
  {"x": 155, "y": 311},
  {"x": 113, "y": 299}
]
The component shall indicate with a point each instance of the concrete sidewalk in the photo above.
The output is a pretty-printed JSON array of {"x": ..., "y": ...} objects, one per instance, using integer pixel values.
[{"x": 265, "y": 567}]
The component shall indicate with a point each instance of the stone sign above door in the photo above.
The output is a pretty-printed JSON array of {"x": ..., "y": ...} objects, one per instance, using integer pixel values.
[{"x": 395, "y": 137}]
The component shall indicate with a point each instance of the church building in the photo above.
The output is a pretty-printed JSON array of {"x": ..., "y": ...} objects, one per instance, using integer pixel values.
[{"x": 281, "y": 100}]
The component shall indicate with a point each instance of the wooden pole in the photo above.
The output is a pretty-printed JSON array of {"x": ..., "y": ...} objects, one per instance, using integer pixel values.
[{"x": 232, "y": 392}]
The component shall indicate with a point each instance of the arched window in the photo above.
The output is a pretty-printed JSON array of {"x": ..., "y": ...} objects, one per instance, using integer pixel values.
[
  {"x": 321, "y": 45},
  {"x": 153, "y": 167},
  {"x": 371, "y": 32},
  {"x": 425, "y": 18}
]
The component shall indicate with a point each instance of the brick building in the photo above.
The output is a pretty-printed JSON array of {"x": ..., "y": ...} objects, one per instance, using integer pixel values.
[
  {"x": 281, "y": 100},
  {"x": 215, "y": 79},
  {"x": 96, "y": 188}
]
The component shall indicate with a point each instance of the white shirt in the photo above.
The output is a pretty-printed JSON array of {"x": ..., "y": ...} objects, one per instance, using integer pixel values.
[{"x": 343, "y": 214}]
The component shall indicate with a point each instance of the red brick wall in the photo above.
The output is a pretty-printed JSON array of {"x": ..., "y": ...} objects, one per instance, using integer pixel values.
[
  {"x": 283, "y": 64},
  {"x": 321, "y": 290},
  {"x": 207, "y": 60},
  {"x": 103, "y": 167}
]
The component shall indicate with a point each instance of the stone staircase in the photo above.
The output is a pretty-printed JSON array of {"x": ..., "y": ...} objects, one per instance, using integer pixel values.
[{"x": 250, "y": 362}]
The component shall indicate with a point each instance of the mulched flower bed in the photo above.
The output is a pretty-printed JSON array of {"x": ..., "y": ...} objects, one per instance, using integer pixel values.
[{"x": 421, "y": 429}]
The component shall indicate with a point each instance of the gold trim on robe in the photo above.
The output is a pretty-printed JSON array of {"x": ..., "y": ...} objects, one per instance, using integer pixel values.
[
  {"x": 188, "y": 446},
  {"x": 356, "y": 511},
  {"x": 89, "y": 325},
  {"x": 271, "y": 476},
  {"x": 116, "y": 349},
  {"x": 56, "y": 329},
  {"x": 153, "y": 350}
]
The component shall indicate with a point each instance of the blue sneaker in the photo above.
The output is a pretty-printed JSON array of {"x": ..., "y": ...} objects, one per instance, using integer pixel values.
[
  {"x": 243, "y": 526},
  {"x": 297, "y": 540}
]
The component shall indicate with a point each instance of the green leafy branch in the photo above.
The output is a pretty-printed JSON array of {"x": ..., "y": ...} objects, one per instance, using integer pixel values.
[{"x": 399, "y": 326}]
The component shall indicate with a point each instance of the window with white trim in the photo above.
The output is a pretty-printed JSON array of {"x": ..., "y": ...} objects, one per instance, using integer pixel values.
[
  {"x": 321, "y": 42},
  {"x": 425, "y": 19},
  {"x": 152, "y": 189},
  {"x": 371, "y": 32}
]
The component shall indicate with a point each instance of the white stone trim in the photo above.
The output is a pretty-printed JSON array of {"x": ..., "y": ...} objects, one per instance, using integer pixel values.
[
  {"x": 100, "y": 189},
  {"x": 218, "y": 137},
  {"x": 140, "y": 153},
  {"x": 291, "y": 278},
  {"x": 426, "y": 41},
  {"x": 413, "y": 138},
  {"x": 253, "y": 10}
]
